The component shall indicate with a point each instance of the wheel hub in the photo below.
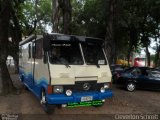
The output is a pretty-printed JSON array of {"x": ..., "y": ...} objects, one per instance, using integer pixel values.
[{"x": 131, "y": 87}]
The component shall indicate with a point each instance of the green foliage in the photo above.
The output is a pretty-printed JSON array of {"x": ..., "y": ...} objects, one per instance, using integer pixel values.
[
  {"x": 89, "y": 17},
  {"x": 35, "y": 15},
  {"x": 135, "y": 22}
]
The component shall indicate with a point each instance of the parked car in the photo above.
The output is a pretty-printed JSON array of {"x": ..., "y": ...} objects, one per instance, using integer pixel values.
[
  {"x": 140, "y": 77},
  {"x": 117, "y": 70},
  {"x": 158, "y": 68}
]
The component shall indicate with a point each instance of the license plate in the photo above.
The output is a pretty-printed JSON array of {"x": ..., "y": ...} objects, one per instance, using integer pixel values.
[
  {"x": 87, "y": 103},
  {"x": 87, "y": 98}
]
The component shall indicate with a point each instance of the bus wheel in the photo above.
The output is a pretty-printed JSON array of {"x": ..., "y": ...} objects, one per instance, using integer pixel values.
[
  {"x": 26, "y": 88},
  {"x": 49, "y": 109}
]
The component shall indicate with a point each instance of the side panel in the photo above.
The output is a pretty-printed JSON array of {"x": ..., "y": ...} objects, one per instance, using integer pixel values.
[
  {"x": 26, "y": 64},
  {"x": 40, "y": 70},
  {"x": 60, "y": 74},
  {"x": 41, "y": 76},
  {"x": 34, "y": 72}
]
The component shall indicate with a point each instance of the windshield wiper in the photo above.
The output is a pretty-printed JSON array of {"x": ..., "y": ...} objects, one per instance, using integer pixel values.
[
  {"x": 98, "y": 66},
  {"x": 67, "y": 65}
]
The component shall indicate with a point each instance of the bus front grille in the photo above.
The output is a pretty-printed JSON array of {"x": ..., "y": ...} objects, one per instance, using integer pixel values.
[{"x": 84, "y": 86}]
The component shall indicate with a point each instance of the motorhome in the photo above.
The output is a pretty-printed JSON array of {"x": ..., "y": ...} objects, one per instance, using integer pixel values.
[{"x": 65, "y": 70}]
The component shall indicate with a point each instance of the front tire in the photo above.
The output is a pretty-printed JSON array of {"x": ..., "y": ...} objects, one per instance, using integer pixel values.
[
  {"x": 49, "y": 109},
  {"x": 130, "y": 86}
]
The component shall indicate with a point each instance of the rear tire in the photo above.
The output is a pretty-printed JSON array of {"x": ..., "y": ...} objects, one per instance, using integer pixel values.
[
  {"x": 22, "y": 80},
  {"x": 26, "y": 88},
  {"x": 130, "y": 86},
  {"x": 49, "y": 109}
]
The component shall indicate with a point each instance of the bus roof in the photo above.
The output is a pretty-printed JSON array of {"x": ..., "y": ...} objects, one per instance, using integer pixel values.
[
  {"x": 63, "y": 37},
  {"x": 30, "y": 38}
]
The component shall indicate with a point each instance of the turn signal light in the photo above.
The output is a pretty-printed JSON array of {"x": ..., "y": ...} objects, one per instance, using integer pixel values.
[{"x": 49, "y": 89}]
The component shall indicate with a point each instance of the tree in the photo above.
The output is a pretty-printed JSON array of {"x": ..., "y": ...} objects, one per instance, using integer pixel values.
[
  {"x": 91, "y": 17},
  {"x": 109, "y": 37},
  {"x": 67, "y": 16},
  {"x": 62, "y": 9},
  {"x": 154, "y": 14},
  {"x": 35, "y": 17},
  {"x": 17, "y": 18},
  {"x": 5, "y": 15},
  {"x": 15, "y": 33},
  {"x": 131, "y": 23},
  {"x": 55, "y": 15}
]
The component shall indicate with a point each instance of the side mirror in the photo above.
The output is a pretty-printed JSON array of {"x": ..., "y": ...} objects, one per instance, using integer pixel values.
[{"x": 45, "y": 58}]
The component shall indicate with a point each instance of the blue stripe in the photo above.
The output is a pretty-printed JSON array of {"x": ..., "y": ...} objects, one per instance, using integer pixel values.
[
  {"x": 34, "y": 86},
  {"x": 76, "y": 97},
  {"x": 59, "y": 98}
]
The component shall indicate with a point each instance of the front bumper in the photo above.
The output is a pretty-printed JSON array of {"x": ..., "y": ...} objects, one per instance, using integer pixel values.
[{"x": 76, "y": 97}]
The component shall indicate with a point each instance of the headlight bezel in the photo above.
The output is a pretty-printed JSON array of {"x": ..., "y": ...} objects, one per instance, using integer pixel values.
[
  {"x": 102, "y": 89},
  {"x": 58, "y": 89},
  {"x": 106, "y": 85},
  {"x": 68, "y": 92}
]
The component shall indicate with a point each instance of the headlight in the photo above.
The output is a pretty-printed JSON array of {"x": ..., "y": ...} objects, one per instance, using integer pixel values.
[
  {"x": 58, "y": 89},
  {"x": 68, "y": 92},
  {"x": 102, "y": 89}
]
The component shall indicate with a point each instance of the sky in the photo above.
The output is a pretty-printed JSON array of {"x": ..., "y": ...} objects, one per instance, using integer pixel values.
[{"x": 151, "y": 50}]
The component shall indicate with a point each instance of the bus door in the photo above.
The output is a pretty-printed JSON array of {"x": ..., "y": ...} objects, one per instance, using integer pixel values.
[{"x": 29, "y": 66}]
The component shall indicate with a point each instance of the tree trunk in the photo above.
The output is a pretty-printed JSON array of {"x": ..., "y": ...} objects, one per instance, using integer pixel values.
[
  {"x": 55, "y": 15},
  {"x": 16, "y": 38},
  {"x": 157, "y": 56},
  {"x": 157, "y": 52},
  {"x": 16, "y": 63},
  {"x": 7, "y": 85},
  {"x": 1, "y": 87},
  {"x": 129, "y": 55},
  {"x": 109, "y": 37},
  {"x": 5, "y": 79},
  {"x": 61, "y": 9},
  {"x": 145, "y": 41},
  {"x": 148, "y": 56},
  {"x": 67, "y": 11}
]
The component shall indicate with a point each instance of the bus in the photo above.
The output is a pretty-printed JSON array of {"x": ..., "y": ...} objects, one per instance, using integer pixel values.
[
  {"x": 65, "y": 70},
  {"x": 139, "y": 62}
]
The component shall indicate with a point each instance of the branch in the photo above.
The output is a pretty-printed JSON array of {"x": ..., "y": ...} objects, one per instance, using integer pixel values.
[
  {"x": 34, "y": 28},
  {"x": 16, "y": 23}
]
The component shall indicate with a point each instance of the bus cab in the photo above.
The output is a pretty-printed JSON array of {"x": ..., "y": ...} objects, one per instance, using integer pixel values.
[{"x": 65, "y": 70}]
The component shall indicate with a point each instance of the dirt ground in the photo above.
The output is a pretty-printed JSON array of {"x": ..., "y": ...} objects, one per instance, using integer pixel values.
[{"x": 123, "y": 102}]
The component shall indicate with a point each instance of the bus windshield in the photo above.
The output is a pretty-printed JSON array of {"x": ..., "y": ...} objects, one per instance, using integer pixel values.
[
  {"x": 67, "y": 53},
  {"x": 93, "y": 54}
]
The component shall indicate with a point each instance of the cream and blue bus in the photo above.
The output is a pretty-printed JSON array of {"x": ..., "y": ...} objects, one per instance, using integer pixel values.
[{"x": 65, "y": 70}]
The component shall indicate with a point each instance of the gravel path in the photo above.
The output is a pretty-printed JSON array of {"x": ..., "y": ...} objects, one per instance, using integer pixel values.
[{"x": 123, "y": 102}]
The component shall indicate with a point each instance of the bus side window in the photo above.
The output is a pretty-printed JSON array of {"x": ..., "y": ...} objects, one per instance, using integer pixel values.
[
  {"x": 33, "y": 50},
  {"x": 37, "y": 49},
  {"x": 29, "y": 51}
]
